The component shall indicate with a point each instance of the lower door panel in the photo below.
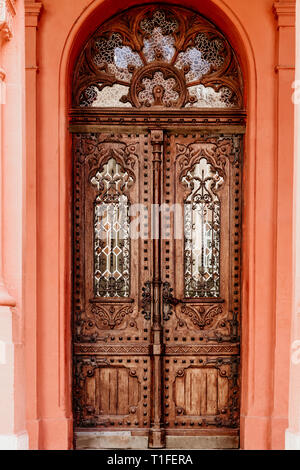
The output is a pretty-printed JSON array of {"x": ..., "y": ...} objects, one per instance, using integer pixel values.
[
  {"x": 201, "y": 394},
  {"x": 113, "y": 392}
]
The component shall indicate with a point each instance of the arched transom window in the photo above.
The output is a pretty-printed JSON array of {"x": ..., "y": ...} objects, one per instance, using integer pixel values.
[{"x": 158, "y": 56}]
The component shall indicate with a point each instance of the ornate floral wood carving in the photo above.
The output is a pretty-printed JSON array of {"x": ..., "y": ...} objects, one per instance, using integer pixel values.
[
  {"x": 217, "y": 152},
  {"x": 158, "y": 56},
  {"x": 202, "y": 316},
  {"x": 91, "y": 327},
  {"x": 96, "y": 151},
  {"x": 110, "y": 316}
]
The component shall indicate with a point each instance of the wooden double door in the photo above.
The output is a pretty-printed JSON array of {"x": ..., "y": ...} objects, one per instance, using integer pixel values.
[{"x": 157, "y": 284}]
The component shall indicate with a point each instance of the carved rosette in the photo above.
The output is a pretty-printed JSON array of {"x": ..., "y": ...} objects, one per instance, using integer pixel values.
[{"x": 158, "y": 85}]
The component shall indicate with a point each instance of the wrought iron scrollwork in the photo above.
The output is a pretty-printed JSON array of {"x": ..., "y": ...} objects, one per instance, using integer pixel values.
[
  {"x": 146, "y": 300},
  {"x": 168, "y": 301}
]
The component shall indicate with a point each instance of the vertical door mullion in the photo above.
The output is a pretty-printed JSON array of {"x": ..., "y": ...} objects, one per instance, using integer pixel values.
[{"x": 157, "y": 431}]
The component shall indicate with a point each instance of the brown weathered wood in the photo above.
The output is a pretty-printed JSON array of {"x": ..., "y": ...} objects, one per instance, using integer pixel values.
[
  {"x": 191, "y": 329},
  {"x": 157, "y": 362},
  {"x": 198, "y": 383},
  {"x": 120, "y": 379}
]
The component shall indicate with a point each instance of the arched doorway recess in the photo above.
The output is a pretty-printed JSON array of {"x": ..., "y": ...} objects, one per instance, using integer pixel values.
[{"x": 158, "y": 124}]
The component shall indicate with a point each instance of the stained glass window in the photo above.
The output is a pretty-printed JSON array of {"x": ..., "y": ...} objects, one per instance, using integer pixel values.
[
  {"x": 146, "y": 48},
  {"x": 202, "y": 219}
]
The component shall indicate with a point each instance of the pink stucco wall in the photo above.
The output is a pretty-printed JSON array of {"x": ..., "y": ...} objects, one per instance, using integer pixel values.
[
  {"x": 37, "y": 189},
  {"x": 12, "y": 389}
]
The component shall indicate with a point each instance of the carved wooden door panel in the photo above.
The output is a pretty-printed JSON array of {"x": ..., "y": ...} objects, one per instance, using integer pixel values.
[
  {"x": 157, "y": 233},
  {"x": 112, "y": 264},
  {"x": 157, "y": 120},
  {"x": 201, "y": 262}
]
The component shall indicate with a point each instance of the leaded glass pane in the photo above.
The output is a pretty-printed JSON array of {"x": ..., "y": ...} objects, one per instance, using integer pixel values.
[
  {"x": 203, "y": 58},
  {"x": 111, "y": 232},
  {"x": 207, "y": 97},
  {"x": 202, "y": 218},
  {"x": 159, "y": 20},
  {"x": 118, "y": 57},
  {"x": 107, "y": 97},
  {"x": 159, "y": 45},
  {"x": 112, "y": 249}
]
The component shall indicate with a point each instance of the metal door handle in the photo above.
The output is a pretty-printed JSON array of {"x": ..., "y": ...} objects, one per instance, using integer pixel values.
[{"x": 168, "y": 300}]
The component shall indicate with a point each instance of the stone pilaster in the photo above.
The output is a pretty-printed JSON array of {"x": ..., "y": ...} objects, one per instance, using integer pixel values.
[
  {"x": 32, "y": 14},
  {"x": 9, "y": 439},
  {"x": 285, "y": 69},
  {"x": 293, "y": 431}
]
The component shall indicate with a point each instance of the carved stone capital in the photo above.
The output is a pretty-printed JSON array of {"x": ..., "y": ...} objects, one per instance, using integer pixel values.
[
  {"x": 32, "y": 13},
  {"x": 7, "y": 13},
  {"x": 285, "y": 13}
]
